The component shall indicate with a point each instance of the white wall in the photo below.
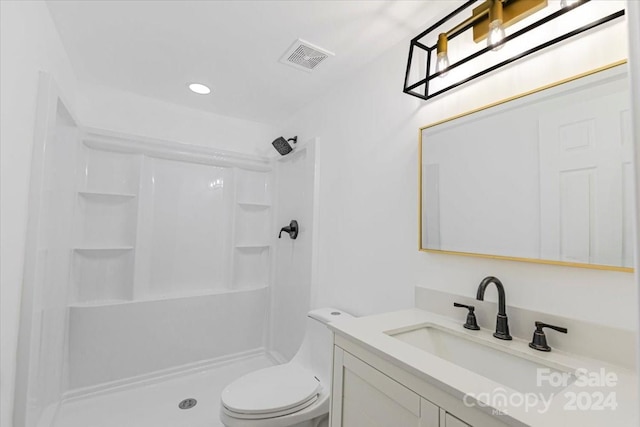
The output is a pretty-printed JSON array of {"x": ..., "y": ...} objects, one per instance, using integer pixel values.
[
  {"x": 29, "y": 44},
  {"x": 368, "y": 130},
  {"x": 132, "y": 114}
]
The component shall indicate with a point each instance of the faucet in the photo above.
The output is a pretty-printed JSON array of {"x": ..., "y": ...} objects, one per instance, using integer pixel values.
[
  {"x": 291, "y": 229},
  {"x": 502, "y": 322}
]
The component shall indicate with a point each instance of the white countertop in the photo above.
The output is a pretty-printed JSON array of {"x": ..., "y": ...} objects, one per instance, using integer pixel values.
[{"x": 369, "y": 332}]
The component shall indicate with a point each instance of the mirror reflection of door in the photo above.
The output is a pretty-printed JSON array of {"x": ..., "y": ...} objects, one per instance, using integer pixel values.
[{"x": 585, "y": 187}]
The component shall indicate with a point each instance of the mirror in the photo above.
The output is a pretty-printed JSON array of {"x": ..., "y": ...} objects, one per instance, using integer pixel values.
[{"x": 543, "y": 177}]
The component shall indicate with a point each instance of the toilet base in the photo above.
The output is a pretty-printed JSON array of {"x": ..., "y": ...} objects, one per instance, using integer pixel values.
[{"x": 316, "y": 422}]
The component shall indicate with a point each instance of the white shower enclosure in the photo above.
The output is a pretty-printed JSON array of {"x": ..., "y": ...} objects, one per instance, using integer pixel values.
[
  {"x": 170, "y": 247},
  {"x": 144, "y": 259}
]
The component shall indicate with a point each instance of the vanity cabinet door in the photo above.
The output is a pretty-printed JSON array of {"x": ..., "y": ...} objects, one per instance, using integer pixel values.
[
  {"x": 451, "y": 421},
  {"x": 429, "y": 414},
  {"x": 365, "y": 397}
]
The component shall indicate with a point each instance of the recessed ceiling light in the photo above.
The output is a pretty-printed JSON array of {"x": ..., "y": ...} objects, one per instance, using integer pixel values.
[{"x": 199, "y": 88}]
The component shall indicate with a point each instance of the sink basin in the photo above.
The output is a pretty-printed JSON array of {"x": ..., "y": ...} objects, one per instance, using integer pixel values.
[{"x": 513, "y": 371}]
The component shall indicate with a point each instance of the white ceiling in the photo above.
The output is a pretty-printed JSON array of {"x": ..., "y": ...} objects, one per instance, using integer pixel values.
[{"x": 154, "y": 48}]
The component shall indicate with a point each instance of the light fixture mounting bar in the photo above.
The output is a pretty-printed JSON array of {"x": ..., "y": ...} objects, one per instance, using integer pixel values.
[
  {"x": 513, "y": 11},
  {"x": 470, "y": 22}
]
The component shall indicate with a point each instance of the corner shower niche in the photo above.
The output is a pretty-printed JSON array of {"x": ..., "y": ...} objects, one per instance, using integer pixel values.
[
  {"x": 105, "y": 227},
  {"x": 156, "y": 221},
  {"x": 252, "y": 238}
]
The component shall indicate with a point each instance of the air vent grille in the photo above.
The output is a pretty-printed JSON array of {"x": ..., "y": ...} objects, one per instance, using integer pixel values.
[{"x": 304, "y": 56}]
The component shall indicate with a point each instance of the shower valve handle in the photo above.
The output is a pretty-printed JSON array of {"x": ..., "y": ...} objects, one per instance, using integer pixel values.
[{"x": 292, "y": 229}]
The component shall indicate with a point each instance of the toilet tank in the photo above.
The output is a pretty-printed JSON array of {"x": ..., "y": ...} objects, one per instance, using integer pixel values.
[{"x": 316, "y": 350}]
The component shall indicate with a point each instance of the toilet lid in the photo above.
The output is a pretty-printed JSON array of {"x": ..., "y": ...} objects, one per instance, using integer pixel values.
[{"x": 269, "y": 390}]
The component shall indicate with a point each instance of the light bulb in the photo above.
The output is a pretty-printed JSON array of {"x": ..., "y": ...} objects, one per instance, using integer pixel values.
[
  {"x": 442, "y": 64},
  {"x": 567, "y": 3},
  {"x": 496, "y": 35},
  {"x": 442, "y": 61}
]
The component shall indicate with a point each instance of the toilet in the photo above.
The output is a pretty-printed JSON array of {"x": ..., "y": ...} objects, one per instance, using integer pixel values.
[{"x": 295, "y": 394}]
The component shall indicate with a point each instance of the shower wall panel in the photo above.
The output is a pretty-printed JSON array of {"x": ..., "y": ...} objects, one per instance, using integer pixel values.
[
  {"x": 124, "y": 341},
  {"x": 185, "y": 221},
  {"x": 292, "y": 289}
]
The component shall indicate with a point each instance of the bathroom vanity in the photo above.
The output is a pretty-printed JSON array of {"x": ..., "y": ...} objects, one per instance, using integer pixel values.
[
  {"x": 370, "y": 391},
  {"x": 421, "y": 368}
]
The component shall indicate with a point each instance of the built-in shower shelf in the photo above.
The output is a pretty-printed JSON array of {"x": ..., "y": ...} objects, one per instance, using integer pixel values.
[
  {"x": 106, "y": 194},
  {"x": 251, "y": 265},
  {"x": 105, "y": 249}
]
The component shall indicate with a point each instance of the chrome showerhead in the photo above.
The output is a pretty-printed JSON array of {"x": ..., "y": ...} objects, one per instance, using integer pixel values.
[{"x": 283, "y": 146}]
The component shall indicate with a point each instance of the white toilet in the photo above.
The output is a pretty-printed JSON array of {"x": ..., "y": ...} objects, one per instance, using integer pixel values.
[{"x": 295, "y": 394}]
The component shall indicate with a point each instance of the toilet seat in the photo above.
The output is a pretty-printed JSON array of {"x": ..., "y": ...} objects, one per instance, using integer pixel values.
[
  {"x": 271, "y": 392},
  {"x": 266, "y": 415}
]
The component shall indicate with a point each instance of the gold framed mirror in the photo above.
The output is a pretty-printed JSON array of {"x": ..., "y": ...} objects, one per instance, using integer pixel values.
[{"x": 545, "y": 176}]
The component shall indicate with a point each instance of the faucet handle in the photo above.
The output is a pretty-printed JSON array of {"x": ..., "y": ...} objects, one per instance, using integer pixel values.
[
  {"x": 539, "y": 340},
  {"x": 292, "y": 229},
  {"x": 540, "y": 325},
  {"x": 471, "y": 322},
  {"x": 470, "y": 307}
]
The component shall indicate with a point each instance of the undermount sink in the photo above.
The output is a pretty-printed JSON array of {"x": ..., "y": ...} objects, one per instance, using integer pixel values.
[{"x": 510, "y": 370}]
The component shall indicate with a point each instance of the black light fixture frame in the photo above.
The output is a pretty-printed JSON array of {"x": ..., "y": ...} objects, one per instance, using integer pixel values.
[{"x": 415, "y": 43}]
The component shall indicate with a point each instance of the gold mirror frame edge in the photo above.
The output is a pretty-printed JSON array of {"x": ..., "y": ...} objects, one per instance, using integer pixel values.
[{"x": 504, "y": 257}]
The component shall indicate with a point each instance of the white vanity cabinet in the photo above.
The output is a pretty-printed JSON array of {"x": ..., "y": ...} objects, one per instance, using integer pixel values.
[
  {"x": 369, "y": 391},
  {"x": 364, "y": 397}
]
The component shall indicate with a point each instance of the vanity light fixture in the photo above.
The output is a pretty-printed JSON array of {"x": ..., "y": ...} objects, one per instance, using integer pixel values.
[
  {"x": 488, "y": 20},
  {"x": 199, "y": 88}
]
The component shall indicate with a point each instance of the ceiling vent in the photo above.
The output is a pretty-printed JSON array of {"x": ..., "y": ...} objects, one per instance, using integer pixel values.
[{"x": 305, "y": 56}]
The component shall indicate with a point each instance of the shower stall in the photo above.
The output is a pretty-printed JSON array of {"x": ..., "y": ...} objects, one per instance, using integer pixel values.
[{"x": 154, "y": 261}]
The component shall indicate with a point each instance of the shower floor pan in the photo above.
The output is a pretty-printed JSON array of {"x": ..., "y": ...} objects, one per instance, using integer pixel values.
[{"x": 157, "y": 404}]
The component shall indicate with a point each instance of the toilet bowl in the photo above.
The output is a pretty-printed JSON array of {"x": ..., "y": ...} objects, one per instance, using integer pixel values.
[{"x": 295, "y": 394}]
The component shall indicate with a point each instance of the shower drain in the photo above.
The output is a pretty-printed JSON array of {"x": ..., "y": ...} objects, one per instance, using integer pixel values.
[{"x": 187, "y": 403}]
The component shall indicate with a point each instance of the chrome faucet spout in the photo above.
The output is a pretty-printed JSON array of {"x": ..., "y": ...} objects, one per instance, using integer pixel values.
[{"x": 502, "y": 322}]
